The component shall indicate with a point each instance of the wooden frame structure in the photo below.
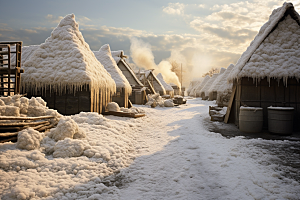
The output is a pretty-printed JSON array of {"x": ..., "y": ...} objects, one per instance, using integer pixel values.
[{"x": 10, "y": 73}]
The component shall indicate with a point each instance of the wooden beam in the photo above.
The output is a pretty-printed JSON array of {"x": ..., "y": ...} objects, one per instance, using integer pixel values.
[
  {"x": 25, "y": 118},
  {"x": 230, "y": 104}
]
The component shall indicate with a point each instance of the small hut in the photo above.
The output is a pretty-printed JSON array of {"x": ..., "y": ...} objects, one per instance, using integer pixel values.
[
  {"x": 176, "y": 88},
  {"x": 209, "y": 83},
  {"x": 148, "y": 78},
  {"x": 168, "y": 88},
  {"x": 212, "y": 91},
  {"x": 66, "y": 73},
  {"x": 123, "y": 87},
  {"x": 200, "y": 85},
  {"x": 268, "y": 72},
  {"x": 193, "y": 84},
  {"x": 138, "y": 95}
]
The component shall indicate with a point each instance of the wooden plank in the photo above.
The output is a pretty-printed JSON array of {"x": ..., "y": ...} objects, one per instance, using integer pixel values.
[
  {"x": 17, "y": 124},
  {"x": 230, "y": 104},
  {"x": 123, "y": 114},
  {"x": 25, "y": 118},
  {"x": 151, "y": 87},
  {"x": 8, "y": 134},
  {"x": 9, "y": 139}
]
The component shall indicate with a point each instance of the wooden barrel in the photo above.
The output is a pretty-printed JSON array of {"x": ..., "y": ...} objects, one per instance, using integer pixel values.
[
  {"x": 251, "y": 119},
  {"x": 280, "y": 120}
]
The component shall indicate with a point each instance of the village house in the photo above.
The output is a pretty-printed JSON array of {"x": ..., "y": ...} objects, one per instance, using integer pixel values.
[
  {"x": 123, "y": 87},
  {"x": 138, "y": 95},
  {"x": 66, "y": 73},
  {"x": 268, "y": 72},
  {"x": 168, "y": 88}
]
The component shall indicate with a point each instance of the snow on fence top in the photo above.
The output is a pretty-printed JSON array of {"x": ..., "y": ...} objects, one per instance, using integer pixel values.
[
  {"x": 201, "y": 85},
  {"x": 274, "y": 52},
  {"x": 65, "y": 61},
  {"x": 216, "y": 84},
  {"x": 105, "y": 58},
  {"x": 223, "y": 84},
  {"x": 163, "y": 82}
]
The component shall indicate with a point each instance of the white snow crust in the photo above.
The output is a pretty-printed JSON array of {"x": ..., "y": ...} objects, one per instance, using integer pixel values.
[
  {"x": 272, "y": 54},
  {"x": 65, "y": 61},
  {"x": 168, "y": 154},
  {"x": 105, "y": 58},
  {"x": 163, "y": 82},
  {"x": 113, "y": 106}
]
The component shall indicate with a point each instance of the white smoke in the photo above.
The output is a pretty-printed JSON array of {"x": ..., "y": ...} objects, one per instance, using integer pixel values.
[{"x": 142, "y": 56}]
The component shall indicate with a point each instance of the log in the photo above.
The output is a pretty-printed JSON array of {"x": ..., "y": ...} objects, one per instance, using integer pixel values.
[
  {"x": 8, "y": 139},
  {"x": 25, "y": 118},
  {"x": 8, "y": 134},
  {"x": 18, "y": 124},
  {"x": 40, "y": 126},
  {"x": 44, "y": 128}
]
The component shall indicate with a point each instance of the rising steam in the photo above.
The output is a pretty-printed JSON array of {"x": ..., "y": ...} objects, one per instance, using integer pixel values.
[{"x": 142, "y": 56}]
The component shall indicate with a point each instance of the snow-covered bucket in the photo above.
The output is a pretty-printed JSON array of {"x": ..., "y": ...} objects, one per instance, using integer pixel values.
[
  {"x": 251, "y": 119},
  {"x": 280, "y": 120}
]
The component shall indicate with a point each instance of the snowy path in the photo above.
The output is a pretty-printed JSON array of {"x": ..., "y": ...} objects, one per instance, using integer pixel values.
[
  {"x": 168, "y": 154},
  {"x": 197, "y": 164}
]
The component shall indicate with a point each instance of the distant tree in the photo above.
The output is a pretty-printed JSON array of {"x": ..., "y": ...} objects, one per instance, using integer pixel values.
[{"x": 211, "y": 72}]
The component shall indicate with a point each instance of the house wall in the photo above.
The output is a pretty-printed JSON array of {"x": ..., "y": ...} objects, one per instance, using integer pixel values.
[
  {"x": 264, "y": 94},
  {"x": 121, "y": 98},
  {"x": 70, "y": 104}
]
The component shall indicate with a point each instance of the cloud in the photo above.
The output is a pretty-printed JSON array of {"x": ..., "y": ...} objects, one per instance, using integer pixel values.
[
  {"x": 174, "y": 9},
  {"x": 54, "y": 20}
]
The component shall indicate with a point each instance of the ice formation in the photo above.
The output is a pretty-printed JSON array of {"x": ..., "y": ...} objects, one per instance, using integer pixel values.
[
  {"x": 29, "y": 139},
  {"x": 66, "y": 128},
  {"x": 113, "y": 106},
  {"x": 167, "y": 87},
  {"x": 105, "y": 58},
  {"x": 66, "y": 63},
  {"x": 274, "y": 53}
]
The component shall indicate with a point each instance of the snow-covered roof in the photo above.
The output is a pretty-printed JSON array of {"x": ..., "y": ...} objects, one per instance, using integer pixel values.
[
  {"x": 119, "y": 56},
  {"x": 195, "y": 82},
  {"x": 105, "y": 58},
  {"x": 147, "y": 74},
  {"x": 201, "y": 84},
  {"x": 65, "y": 61},
  {"x": 274, "y": 52},
  {"x": 208, "y": 84},
  {"x": 216, "y": 84},
  {"x": 223, "y": 83},
  {"x": 163, "y": 82},
  {"x": 27, "y": 51}
]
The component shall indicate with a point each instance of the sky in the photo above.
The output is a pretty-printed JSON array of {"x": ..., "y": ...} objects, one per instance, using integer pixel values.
[{"x": 199, "y": 34}]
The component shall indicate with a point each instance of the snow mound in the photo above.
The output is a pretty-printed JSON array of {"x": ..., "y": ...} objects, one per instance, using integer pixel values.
[
  {"x": 90, "y": 118},
  {"x": 65, "y": 62},
  {"x": 105, "y": 58},
  {"x": 68, "y": 148},
  {"x": 29, "y": 139},
  {"x": 113, "y": 106},
  {"x": 66, "y": 128},
  {"x": 9, "y": 111},
  {"x": 168, "y": 103}
]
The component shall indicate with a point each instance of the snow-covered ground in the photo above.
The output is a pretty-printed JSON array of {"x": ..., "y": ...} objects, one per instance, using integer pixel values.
[{"x": 169, "y": 154}]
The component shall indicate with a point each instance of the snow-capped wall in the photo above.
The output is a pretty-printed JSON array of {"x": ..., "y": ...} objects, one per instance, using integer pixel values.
[
  {"x": 65, "y": 61},
  {"x": 105, "y": 58},
  {"x": 272, "y": 54}
]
